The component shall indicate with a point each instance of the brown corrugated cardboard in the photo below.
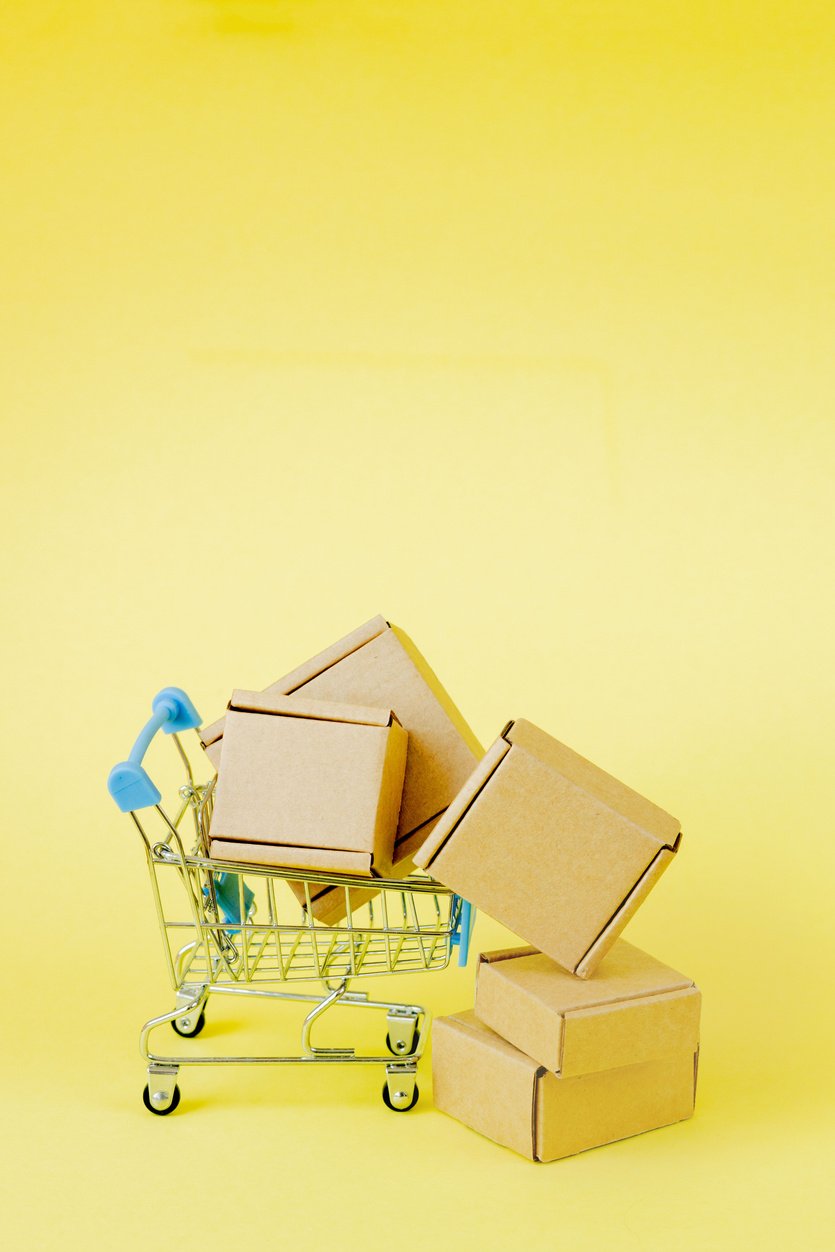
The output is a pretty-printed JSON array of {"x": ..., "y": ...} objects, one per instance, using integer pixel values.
[
  {"x": 550, "y": 845},
  {"x": 378, "y": 665},
  {"x": 308, "y": 784},
  {"x": 482, "y": 1080},
  {"x": 634, "y": 1009}
]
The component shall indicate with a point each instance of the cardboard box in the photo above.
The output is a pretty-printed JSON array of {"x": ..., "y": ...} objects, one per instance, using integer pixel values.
[
  {"x": 635, "y": 1009},
  {"x": 548, "y": 844},
  {"x": 378, "y": 665},
  {"x": 308, "y": 784},
  {"x": 482, "y": 1080}
]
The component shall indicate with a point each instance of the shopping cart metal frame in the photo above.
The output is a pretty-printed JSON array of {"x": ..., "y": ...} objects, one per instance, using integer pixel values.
[{"x": 216, "y": 943}]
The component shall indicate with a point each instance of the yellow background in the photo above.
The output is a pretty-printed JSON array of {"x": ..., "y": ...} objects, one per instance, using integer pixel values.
[{"x": 511, "y": 321}]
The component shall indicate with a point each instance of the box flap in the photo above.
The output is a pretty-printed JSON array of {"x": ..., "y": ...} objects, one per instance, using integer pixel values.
[
  {"x": 594, "y": 781},
  {"x": 465, "y": 797},
  {"x": 301, "y": 706},
  {"x": 604, "y": 941},
  {"x": 322, "y": 859}
]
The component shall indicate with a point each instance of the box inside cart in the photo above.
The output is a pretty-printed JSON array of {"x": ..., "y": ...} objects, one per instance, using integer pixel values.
[
  {"x": 378, "y": 665},
  {"x": 550, "y": 845},
  {"x": 308, "y": 784}
]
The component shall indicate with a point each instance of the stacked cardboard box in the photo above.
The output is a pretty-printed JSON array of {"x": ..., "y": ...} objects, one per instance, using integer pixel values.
[{"x": 358, "y": 761}]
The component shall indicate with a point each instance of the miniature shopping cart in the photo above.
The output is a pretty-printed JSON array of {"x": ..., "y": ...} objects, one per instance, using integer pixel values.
[{"x": 233, "y": 933}]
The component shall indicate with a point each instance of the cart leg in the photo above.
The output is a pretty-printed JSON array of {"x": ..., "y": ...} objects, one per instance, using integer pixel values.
[
  {"x": 400, "y": 1092},
  {"x": 402, "y": 1030},
  {"x": 162, "y": 1095}
]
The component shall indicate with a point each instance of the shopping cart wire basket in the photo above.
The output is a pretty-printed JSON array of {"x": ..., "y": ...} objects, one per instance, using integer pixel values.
[{"x": 233, "y": 932}]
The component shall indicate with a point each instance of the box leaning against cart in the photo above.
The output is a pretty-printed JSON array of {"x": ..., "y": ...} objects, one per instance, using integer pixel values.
[
  {"x": 378, "y": 664},
  {"x": 551, "y": 846},
  {"x": 308, "y": 784},
  {"x": 590, "y": 1062}
]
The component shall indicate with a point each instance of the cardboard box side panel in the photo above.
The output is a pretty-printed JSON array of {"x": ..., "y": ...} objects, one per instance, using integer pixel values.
[
  {"x": 319, "y": 710},
  {"x": 574, "y": 1114},
  {"x": 303, "y": 673},
  {"x": 604, "y": 941},
  {"x": 595, "y": 781},
  {"x": 507, "y": 1009},
  {"x": 439, "y": 691},
  {"x": 458, "y": 808},
  {"x": 393, "y": 767},
  {"x": 611, "y": 1036},
  {"x": 487, "y": 1087},
  {"x": 272, "y": 768},
  {"x": 328, "y": 904},
  {"x": 295, "y": 857}
]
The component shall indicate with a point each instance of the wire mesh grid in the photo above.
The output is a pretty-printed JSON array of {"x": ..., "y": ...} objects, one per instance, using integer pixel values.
[{"x": 263, "y": 934}]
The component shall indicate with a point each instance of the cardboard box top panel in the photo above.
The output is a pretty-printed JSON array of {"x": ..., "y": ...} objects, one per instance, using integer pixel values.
[
  {"x": 626, "y": 972},
  {"x": 595, "y": 781},
  {"x": 378, "y": 665},
  {"x": 635, "y": 1009},
  {"x": 319, "y": 710},
  {"x": 309, "y": 783}
]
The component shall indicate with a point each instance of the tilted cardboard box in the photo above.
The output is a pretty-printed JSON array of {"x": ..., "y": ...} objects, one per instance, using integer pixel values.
[
  {"x": 635, "y": 1009},
  {"x": 378, "y": 665},
  {"x": 308, "y": 784},
  {"x": 551, "y": 846},
  {"x": 483, "y": 1081}
]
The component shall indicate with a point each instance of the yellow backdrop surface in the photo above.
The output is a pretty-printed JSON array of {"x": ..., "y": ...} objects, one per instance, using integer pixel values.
[{"x": 512, "y": 322}]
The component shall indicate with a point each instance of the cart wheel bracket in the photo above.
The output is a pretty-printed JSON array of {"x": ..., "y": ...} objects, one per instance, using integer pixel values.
[
  {"x": 400, "y": 1092},
  {"x": 162, "y": 1084}
]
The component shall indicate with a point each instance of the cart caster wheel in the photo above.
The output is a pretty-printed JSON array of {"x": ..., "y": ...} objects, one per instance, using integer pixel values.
[
  {"x": 148, "y": 1101},
  {"x": 406, "y": 1051},
  {"x": 193, "y": 1027},
  {"x": 399, "y": 1108}
]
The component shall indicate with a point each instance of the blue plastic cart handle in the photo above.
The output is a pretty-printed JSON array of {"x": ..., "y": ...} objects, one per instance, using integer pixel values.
[
  {"x": 128, "y": 783},
  {"x": 463, "y": 931}
]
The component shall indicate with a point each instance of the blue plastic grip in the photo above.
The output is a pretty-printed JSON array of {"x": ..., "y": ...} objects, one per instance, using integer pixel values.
[
  {"x": 463, "y": 931},
  {"x": 128, "y": 783}
]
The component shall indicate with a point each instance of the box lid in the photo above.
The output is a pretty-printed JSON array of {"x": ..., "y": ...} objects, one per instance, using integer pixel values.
[
  {"x": 587, "y": 776},
  {"x": 303, "y": 706},
  {"x": 635, "y": 1009}
]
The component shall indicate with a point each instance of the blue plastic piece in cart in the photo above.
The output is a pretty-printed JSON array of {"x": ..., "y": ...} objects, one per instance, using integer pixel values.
[
  {"x": 228, "y": 897},
  {"x": 461, "y": 938},
  {"x": 129, "y": 784}
]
